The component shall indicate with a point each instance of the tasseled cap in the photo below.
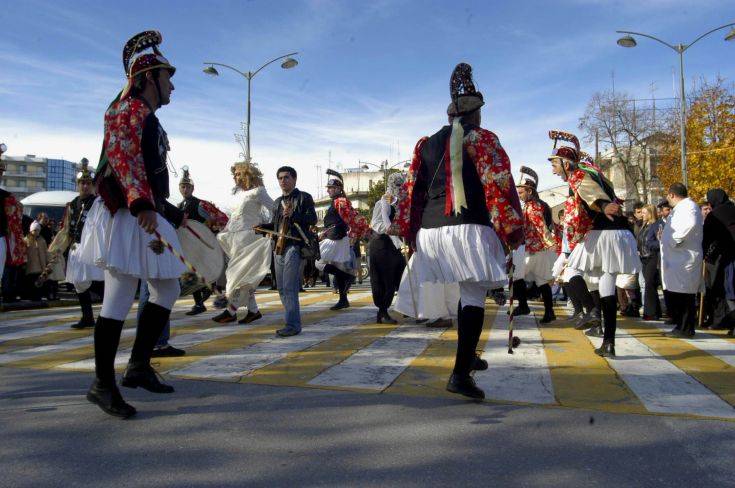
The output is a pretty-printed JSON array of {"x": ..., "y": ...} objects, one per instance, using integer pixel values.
[
  {"x": 571, "y": 154},
  {"x": 85, "y": 174},
  {"x": 145, "y": 62},
  {"x": 528, "y": 178},
  {"x": 335, "y": 178},
  {"x": 186, "y": 177},
  {"x": 465, "y": 97}
]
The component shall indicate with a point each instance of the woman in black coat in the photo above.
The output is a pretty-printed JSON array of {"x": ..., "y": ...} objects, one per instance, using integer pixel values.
[
  {"x": 650, "y": 252},
  {"x": 719, "y": 251}
]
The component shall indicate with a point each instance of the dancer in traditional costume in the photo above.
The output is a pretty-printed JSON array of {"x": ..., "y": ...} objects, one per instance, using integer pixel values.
[
  {"x": 539, "y": 248},
  {"x": 342, "y": 223},
  {"x": 12, "y": 245},
  {"x": 250, "y": 254},
  {"x": 386, "y": 261},
  {"x": 84, "y": 277},
  {"x": 461, "y": 207},
  {"x": 123, "y": 226},
  {"x": 206, "y": 213},
  {"x": 434, "y": 304},
  {"x": 605, "y": 245}
]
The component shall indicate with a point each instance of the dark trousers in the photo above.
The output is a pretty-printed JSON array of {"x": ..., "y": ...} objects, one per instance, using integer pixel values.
[
  {"x": 342, "y": 279},
  {"x": 201, "y": 295},
  {"x": 85, "y": 299},
  {"x": 683, "y": 311},
  {"x": 652, "y": 276},
  {"x": 386, "y": 268}
]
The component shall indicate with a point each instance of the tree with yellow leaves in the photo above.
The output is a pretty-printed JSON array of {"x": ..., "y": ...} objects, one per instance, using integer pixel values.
[{"x": 710, "y": 133}]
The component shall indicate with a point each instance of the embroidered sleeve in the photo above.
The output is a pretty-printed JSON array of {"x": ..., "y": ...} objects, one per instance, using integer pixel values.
[
  {"x": 17, "y": 249},
  {"x": 588, "y": 190},
  {"x": 577, "y": 221},
  {"x": 538, "y": 236},
  {"x": 124, "y": 123},
  {"x": 501, "y": 198},
  {"x": 406, "y": 218},
  {"x": 356, "y": 222},
  {"x": 218, "y": 216}
]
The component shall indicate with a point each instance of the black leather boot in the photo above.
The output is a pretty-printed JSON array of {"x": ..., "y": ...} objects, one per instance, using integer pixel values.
[
  {"x": 85, "y": 302},
  {"x": 342, "y": 283},
  {"x": 385, "y": 318},
  {"x": 479, "y": 364},
  {"x": 606, "y": 350},
  {"x": 104, "y": 392},
  {"x": 464, "y": 385},
  {"x": 549, "y": 315},
  {"x": 140, "y": 373},
  {"x": 519, "y": 296},
  {"x": 609, "y": 308}
]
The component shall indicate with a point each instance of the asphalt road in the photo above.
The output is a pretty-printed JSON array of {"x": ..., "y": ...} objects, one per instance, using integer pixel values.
[{"x": 213, "y": 433}]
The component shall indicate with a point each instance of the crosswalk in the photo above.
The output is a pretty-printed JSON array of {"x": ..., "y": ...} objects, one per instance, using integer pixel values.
[{"x": 554, "y": 366}]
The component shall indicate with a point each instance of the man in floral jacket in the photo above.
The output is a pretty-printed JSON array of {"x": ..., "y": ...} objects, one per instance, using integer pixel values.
[
  {"x": 12, "y": 245},
  {"x": 461, "y": 215}
]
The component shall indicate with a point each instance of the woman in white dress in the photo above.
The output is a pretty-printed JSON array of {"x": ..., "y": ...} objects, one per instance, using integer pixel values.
[{"x": 249, "y": 253}]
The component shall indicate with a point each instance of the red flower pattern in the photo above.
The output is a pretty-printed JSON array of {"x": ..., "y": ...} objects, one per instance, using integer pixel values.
[
  {"x": 16, "y": 246},
  {"x": 576, "y": 219},
  {"x": 493, "y": 168},
  {"x": 558, "y": 234},
  {"x": 124, "y": 122},
  {"x": 357, "y": 223},
  {"x": 538, "y": 236},
  {"x": 219, "y": 217}
]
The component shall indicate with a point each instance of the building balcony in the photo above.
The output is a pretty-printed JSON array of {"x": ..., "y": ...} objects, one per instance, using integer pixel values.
[{"x": 25, "y": 174}]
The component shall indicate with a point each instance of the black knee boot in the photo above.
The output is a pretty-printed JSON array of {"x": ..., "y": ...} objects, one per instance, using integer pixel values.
[
  {"x": 519, "y": 295},
  {"x": 85, "y": 302},
  {"x": 469, "y": 328},
  {"x": 104, "y": 392},
  {"x": 609, "y": 316},
  {"x": 342, "y": 280},
  {"x": 578, "y": 287},
  {"x": 549, "y": 314},
  {"x": 153, "y": 319},
  {"x": 576, "y": 302}
]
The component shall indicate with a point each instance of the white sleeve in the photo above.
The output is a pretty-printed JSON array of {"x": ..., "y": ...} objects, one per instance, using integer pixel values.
[
  {"x": 266, "y": 204},
  {"x": 683, "y": 224},
  {"x": 379, "y": 223}
]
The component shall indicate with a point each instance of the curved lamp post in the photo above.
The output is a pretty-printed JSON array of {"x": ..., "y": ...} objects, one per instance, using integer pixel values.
[
  {"x": 384, "y": 168},
  {"x": 629, "y": 41},
  {"x": 288, "y": 63}
]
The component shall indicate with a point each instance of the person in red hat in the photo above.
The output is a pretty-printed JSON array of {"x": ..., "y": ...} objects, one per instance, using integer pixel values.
[
  {"x": 603, "y": 244},
  {"x": 461, "y": 214},
  {"x": 12, "y": 245},
  {"x": 540, "y": 247},
  {"x": 127, "y": 224}
]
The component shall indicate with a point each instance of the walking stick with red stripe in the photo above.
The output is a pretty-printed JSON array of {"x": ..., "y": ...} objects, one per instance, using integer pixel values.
[
  {"x": 513, "y": 341},
  {"x": 181, "y": 258}
]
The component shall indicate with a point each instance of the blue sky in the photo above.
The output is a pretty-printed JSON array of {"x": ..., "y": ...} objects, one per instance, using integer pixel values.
[{"x": 373, "y": 76}]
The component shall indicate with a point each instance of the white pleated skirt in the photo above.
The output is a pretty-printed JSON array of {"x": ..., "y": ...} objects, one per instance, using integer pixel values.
[
  {"x": 79, "y": 274},
  {"x": 425, "y": 300},
  {"x": 336, "y": 253},
  {"x": 457, "y": 253},
  {"x": 606, "y": 251},
  {"x": 539, "y": 266},
  {"x": 117, "y": 243}
]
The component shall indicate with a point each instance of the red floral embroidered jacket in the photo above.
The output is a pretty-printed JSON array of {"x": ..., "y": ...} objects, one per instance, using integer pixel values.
[
  {"x": 558, "y": 234},
  {"x": 538, "y": 235},
  {"x": 218, "y": 216},
  {"x": 577, "y": 221},
  {"x": 493, "y": 168},
  {"x": 356, "y": 222},
  {"x": 15, "y": 245},
  {"x": 124, "y": 121}
]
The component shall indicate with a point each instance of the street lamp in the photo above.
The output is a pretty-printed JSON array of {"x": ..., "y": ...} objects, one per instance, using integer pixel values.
[
  {"x": 288, "y": 63},
  {"x": 385, "y": 168},
  {"x": 629, "y": 41}
]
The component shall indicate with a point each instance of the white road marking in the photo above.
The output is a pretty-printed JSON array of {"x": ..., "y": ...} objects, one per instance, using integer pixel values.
[
  {"x": 722, "y": 349},
  {"x": 523, "y": 376}
]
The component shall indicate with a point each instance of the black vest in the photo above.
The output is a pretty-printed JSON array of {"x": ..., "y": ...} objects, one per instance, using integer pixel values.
[
  {"x": 338, "y": 226},
  {"x": 78, "y": 209},
  {"x": 434, "y": 171},
  {"x": 190, "y": 206}
]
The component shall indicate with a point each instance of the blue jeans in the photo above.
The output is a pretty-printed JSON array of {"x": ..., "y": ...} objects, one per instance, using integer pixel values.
[
  {"x": 143, "y": 299},
  {"x": 288, "y": 280}
]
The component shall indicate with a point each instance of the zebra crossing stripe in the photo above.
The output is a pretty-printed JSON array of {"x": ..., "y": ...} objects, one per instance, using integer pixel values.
[
  {"x": 520, "y": 377},
  {"x": 299, "y": 367},
  {"x": 712, "y": 344},
  {"x": 708, "y": 369},
  {"x": 313, "y": 310},
  {"x": 244, "y": 360},
  {"x": 659, "y": 384},
  {"x": 581, "y": 378},
  {"x": 376, "y": 366},
  {"x": 54, "y": 355}
]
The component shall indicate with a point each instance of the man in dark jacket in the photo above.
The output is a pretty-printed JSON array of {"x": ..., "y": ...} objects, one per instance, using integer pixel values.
[{"x": 719, "y": 247}]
